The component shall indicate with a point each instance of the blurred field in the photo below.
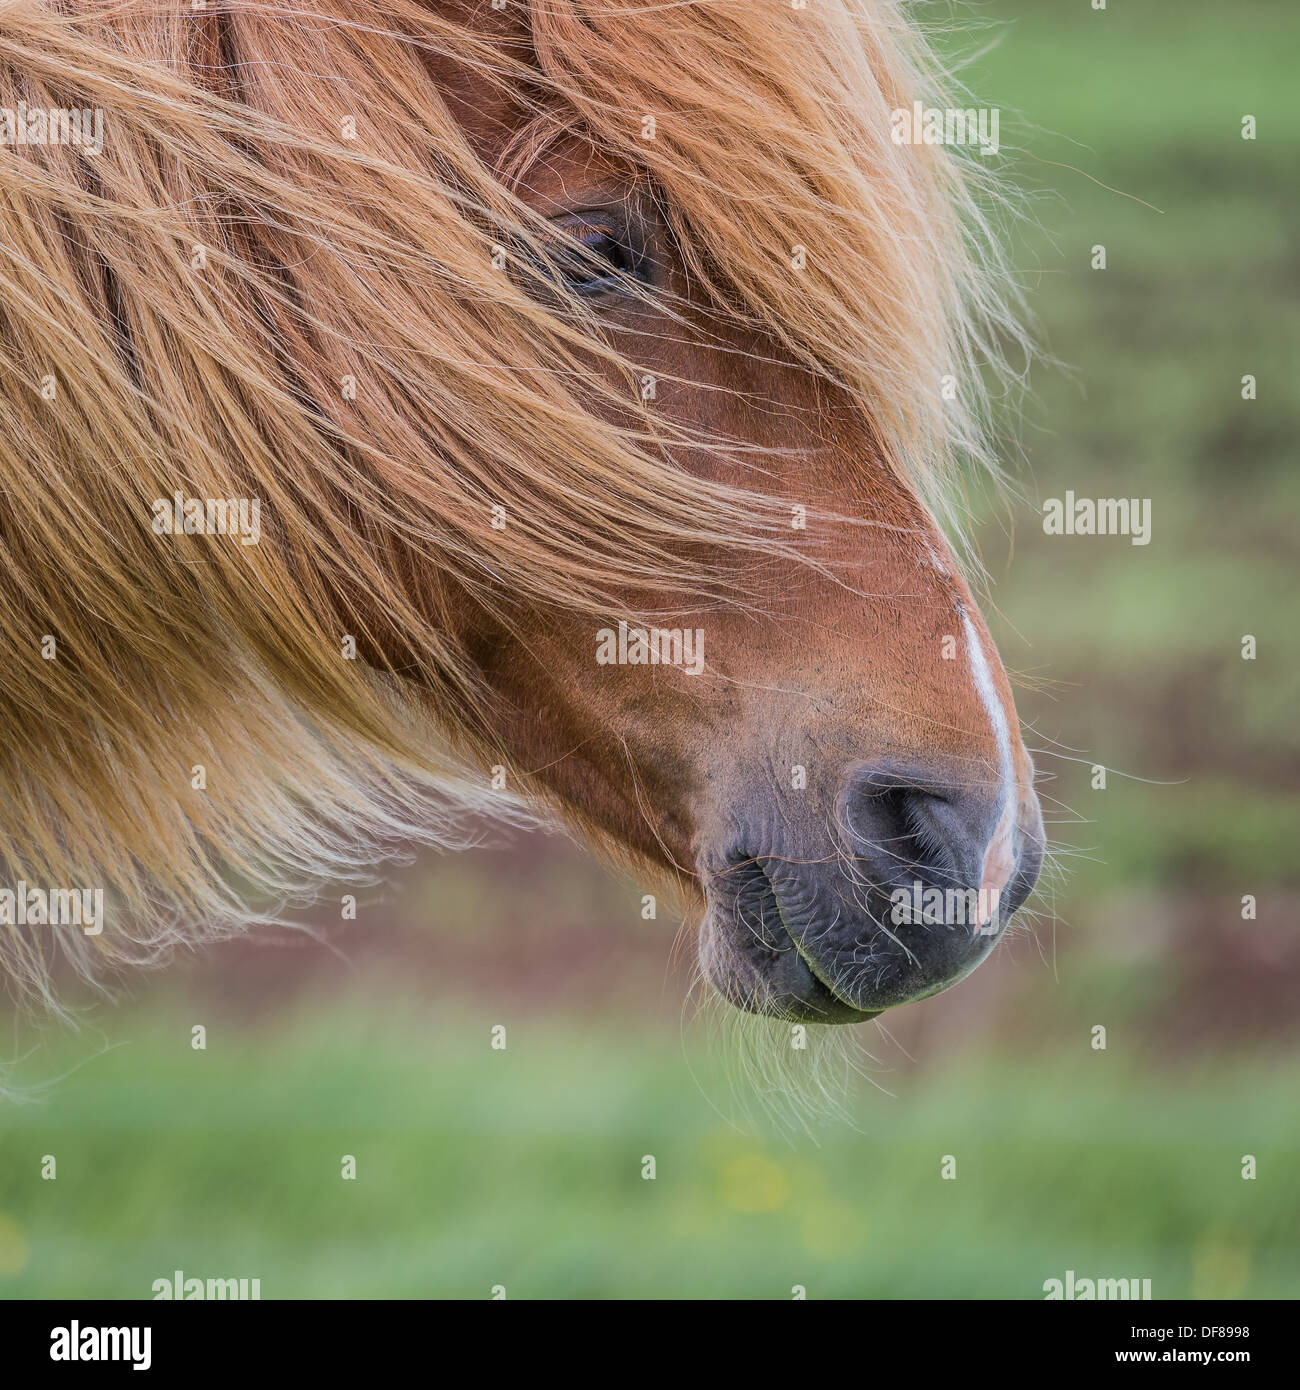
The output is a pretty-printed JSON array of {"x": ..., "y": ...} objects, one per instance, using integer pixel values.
[{"x": 523, "y": 1167}]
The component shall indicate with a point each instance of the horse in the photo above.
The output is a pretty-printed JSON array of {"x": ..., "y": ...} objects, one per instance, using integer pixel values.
[{"x": 546, "y": 411}]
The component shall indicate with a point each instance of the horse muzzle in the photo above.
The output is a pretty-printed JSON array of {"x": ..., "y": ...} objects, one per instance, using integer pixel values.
[{"x": 909, "y": 889}]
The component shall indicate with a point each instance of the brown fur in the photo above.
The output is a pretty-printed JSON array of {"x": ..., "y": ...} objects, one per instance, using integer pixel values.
[{"x": 327, "y": 258}]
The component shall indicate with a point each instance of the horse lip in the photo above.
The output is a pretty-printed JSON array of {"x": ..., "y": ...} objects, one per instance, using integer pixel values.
[
  {"x": 812, "y": 994},
  {"x": 803, "y": 955},
  {"x": 751, "y": 868}
]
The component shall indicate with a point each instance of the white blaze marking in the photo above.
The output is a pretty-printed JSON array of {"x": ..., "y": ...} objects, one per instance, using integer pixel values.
[{"x": 999, "y": 858}]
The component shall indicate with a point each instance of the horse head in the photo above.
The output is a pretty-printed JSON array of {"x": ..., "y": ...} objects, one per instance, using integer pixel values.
[{"x": 601, "y": 372}]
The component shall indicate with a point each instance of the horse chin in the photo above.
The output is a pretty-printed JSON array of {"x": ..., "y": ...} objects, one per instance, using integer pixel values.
[
  {"x": 769, "y": 976},
  {"x": 794, "y": 939}
]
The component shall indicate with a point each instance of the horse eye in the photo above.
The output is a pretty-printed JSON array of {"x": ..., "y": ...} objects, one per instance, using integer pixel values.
[{"x": 595, "y": 256}]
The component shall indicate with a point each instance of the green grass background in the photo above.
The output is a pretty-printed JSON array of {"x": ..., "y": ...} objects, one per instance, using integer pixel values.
[{"x": 523, "y": 1167}]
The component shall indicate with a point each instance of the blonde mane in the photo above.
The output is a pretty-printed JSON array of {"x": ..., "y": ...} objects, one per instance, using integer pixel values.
[{"x": 184, "y": 312}]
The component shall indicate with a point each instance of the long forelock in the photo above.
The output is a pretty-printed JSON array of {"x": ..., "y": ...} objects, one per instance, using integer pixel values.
[{"x": 235, "y": 298}]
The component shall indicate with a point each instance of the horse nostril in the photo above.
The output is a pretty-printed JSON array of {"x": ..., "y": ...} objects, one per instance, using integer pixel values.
[{"x": 902, "y": 830}]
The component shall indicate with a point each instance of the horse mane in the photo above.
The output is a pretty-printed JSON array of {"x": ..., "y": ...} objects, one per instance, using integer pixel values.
[{"x": 182, "y": 312}]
